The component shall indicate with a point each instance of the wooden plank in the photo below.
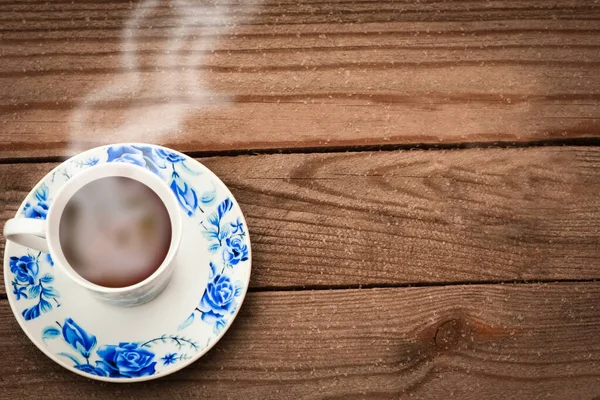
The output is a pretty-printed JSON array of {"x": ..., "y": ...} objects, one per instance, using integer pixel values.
[
  {"x": 405, "y": 217},
  {"x": 470, "y": 342},
  {"x": 295, "y": 75}
]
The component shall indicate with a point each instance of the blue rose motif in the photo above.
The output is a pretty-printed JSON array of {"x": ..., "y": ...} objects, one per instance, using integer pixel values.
[
  {"x": 170, "y": 156},
  {"x": 235, "y": 250},
  {"x": 186, "y": 196},
  {"x": 143, "y": 156},
  {"x": 126, "y": 360},
  {"x": 218, "y": 299},
  {"x": 25, "y": 268},
  {"x": 39, "y": 210},
  {"x": 90, "y": 369},
  {"x": 78, "y": 338}
]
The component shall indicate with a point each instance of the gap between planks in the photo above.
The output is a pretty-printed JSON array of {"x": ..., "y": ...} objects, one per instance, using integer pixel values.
[
  {"x": 317, "y": 288},
  {"x": 580, "y": 142}
]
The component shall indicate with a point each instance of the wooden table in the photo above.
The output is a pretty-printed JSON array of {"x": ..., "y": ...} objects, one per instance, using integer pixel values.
[{"x": 421, "y": 181}]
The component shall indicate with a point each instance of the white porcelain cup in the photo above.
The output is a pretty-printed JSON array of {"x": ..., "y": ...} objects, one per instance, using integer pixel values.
[{"x": 43, "y": 235}]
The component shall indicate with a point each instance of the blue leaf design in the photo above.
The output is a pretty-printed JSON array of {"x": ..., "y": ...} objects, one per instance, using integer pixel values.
[
  {"x": 41, "y": 194},
  {"x": 208, "y": 197},
  {"x": 90, "y": 369},
  {"x": 213, "y": 269},
  {"x": 45, "y": 306},
  {"x": 213, "y": 219},
  {"x": 224, "y": 207},
  {"x": 49, "y": 292},
  {"x": 210, "y": 234},
  {"x": 50, "y": 333},
  {"x": 47, "y": 278},
  {"x": 31, "y": 313},
  {"x": 216, "y": 320},
  {"x": 210, "y": 317},
  {"x": 78, "y": 338},
  {"x": 186, "y": 195},
  {"x": 189, "y": 170},
  {"x": 224, "y": 232},
  {"x": 218, "y": 231},
  {"x": 34, "y": 291},
  {"x": 188, "y": 321},
  {"x": 69, "y": 356},
  {"x": 219, "y": 325}
]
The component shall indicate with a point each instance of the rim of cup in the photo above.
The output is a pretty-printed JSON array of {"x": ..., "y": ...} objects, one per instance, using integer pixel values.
[{"x": 135, "y": 172}]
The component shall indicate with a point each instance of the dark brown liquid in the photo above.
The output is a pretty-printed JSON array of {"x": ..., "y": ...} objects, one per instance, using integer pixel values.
[{"x": 115, "y": 232}]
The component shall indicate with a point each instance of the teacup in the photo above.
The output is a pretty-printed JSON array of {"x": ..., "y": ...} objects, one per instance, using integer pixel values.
[{"x": 43, "y": 234}]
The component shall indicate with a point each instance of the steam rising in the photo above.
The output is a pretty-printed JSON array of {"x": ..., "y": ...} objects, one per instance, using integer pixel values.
[
  {"x": 112, "y": 231},
  {"x": 156, "y": 102}
]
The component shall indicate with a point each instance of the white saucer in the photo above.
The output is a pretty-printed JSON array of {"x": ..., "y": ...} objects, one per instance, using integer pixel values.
[{"x": 133, "y": 344}]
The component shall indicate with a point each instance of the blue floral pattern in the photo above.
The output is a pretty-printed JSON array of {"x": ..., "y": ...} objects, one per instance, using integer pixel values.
[
  {"x": 156, "y": 160},
  {"x": 203, "y": 198},
  {"x": 186, "y": 196},
  {"x": 28, "y": 285},
  {"x": 227, "y": 240},
  {"x": 78, "y": 338},
  {"x": 234, "y": 251},
  {"x": 39, "y": 207},
  {"x": 169, "y": 358},
  {"x": 90, "y": 162},
  {"x": 219, "y": 299},
  {"x": 122, "y": 360},
  {"x": 144, "y": 156},
  {"x": 226, "y": 237},
  {"x": 126, "y": 360},
  {"x": 170, "y": 156}
]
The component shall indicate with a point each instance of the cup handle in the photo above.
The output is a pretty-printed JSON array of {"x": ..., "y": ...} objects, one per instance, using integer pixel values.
[{"x": 28, "y": 232}]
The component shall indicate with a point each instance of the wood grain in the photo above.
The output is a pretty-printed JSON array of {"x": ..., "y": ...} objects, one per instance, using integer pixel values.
[
  {"x": 275, "y": 74},
  {"x": 405, "y": 217},
  {"x": 468, "y": 342}
]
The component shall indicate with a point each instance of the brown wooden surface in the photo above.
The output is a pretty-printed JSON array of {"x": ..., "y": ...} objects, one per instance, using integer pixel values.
[
  {"x": 502, "y": 244},
  {"x": 405, "y": 217},
  {"x": 468, "y": 342},
  {"x": 298, "y": 74}
]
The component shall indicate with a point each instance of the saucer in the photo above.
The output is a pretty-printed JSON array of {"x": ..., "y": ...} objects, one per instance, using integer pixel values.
[{"x": 130, "y": 344}]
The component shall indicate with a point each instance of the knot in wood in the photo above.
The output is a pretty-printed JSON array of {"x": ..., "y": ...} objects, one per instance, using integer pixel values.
[{"x": 449, "y": 334}]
